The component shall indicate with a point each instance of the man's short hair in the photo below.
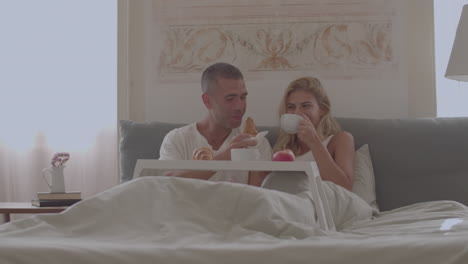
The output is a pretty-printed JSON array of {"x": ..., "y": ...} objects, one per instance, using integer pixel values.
[{"x": 218, "y": 70}]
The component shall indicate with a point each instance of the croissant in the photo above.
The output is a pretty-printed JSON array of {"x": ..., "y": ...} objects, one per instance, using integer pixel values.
[
  {"x": 202, "y": 154},
  {"x": 249, "y": 127}
]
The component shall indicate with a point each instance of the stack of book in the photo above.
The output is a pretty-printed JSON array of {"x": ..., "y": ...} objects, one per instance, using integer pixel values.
[{"x": 47, "y": 199}]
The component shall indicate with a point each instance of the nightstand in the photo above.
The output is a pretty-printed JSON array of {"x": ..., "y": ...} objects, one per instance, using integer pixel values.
[{"x": 26, "y": 208}]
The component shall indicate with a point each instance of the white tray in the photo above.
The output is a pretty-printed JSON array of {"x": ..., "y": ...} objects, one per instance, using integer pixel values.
[{"x": 324, "y": 217}]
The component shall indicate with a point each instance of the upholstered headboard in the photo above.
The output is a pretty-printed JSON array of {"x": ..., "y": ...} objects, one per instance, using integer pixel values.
[{"x": 414, "y": 160}]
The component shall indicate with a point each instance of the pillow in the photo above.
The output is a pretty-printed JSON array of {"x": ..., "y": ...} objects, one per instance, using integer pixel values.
[
  {"x": 364, "y": 182},
  {"x": 140, "y": 141}
]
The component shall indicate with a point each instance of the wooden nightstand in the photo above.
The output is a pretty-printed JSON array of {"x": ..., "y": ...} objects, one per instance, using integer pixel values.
[{"x": 26, "y": 208}]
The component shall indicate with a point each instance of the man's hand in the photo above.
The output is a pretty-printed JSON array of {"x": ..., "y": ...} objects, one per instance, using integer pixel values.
[{"x": 243, "y": 140}]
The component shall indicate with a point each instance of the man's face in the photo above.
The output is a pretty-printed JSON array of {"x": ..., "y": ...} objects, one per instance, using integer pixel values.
[{"x": 228, "y": 102}]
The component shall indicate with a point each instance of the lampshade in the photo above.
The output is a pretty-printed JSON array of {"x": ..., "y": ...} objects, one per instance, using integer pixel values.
[{"x": 457, "y": 68}]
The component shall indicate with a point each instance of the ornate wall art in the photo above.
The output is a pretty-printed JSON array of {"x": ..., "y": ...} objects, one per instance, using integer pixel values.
[{"x": 289, "y": 38}]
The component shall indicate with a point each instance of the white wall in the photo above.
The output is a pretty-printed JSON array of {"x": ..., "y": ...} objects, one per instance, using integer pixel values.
[
  {"x": 419, "y": 53},
  {"x": 406, "y": 90}
]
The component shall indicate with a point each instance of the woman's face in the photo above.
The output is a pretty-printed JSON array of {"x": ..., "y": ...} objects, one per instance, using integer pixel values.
[{"x": 302, "y": 102}]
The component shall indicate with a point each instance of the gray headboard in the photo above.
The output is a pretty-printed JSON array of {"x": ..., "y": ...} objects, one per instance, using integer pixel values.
[{"x": 414, "y": 160}]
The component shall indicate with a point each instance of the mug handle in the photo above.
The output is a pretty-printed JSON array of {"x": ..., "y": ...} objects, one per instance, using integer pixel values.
[{"x": 43, "y": 175}]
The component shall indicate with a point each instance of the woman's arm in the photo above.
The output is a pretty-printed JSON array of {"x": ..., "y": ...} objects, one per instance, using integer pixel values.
[{"x": 336, "y": 161}]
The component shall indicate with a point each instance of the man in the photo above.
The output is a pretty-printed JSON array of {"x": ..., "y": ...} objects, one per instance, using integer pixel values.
[{"x": 224, "y": 96}]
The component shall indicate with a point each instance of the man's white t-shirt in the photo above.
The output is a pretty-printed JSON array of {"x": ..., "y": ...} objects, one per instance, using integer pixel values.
[{"x": 180, "y": 143}]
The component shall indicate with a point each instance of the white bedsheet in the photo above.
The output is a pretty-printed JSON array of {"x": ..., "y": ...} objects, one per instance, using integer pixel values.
[{"x": 172, "y": 220}]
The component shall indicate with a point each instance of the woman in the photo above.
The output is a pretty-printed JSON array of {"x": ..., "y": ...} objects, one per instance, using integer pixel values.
[{"x": 319, "y": 136}]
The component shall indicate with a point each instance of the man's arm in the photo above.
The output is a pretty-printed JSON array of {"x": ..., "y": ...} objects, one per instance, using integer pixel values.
[
  {"x": 256, "y": 177},
  {"x": 194, "y": 174},
  {"x": 172, "y": 148},
  {"x": 225, "y": 154}
]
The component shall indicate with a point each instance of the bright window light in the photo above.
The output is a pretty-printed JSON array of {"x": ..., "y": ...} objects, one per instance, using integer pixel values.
[
  {"x": 451, "y": 95},
  {"x": 58, "y": 67}
]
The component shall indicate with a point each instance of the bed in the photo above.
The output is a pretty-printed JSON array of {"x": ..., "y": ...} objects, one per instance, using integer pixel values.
[{"x": 172, "y": 220}]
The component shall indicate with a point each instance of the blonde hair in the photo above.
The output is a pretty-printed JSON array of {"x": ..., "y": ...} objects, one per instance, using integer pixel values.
[{"x": 327, "y": 125}]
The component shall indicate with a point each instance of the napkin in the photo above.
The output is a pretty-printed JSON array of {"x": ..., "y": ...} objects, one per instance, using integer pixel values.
[{"x": 259, "y": 138}]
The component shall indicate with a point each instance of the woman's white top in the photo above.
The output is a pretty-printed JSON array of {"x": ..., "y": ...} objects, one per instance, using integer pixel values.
[{"x": 309, "y": 156}]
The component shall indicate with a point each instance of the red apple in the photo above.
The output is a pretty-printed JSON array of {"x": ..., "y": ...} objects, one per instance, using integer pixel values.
[{"x": 284, "y": 155}]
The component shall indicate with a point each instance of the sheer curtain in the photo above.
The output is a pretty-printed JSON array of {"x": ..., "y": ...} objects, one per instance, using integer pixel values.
[{"x": 58, "y": 62}]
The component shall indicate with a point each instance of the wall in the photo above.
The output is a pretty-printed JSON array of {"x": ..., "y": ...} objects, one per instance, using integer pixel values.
[
  {"x": 403, "y": 87},
  {"x": 420, "y": 58}
]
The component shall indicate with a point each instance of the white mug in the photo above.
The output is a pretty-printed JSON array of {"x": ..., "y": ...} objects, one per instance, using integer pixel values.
[
  {"x": 290, "y": 122},
  {"x": 57, "y": 181}
]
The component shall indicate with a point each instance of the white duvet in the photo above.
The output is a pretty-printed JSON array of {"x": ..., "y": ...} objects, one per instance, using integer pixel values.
[{"x": 173, "y": 220}]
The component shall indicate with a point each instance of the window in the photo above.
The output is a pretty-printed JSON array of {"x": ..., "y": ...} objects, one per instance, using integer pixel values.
[{"x": 58, "y": 93}]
